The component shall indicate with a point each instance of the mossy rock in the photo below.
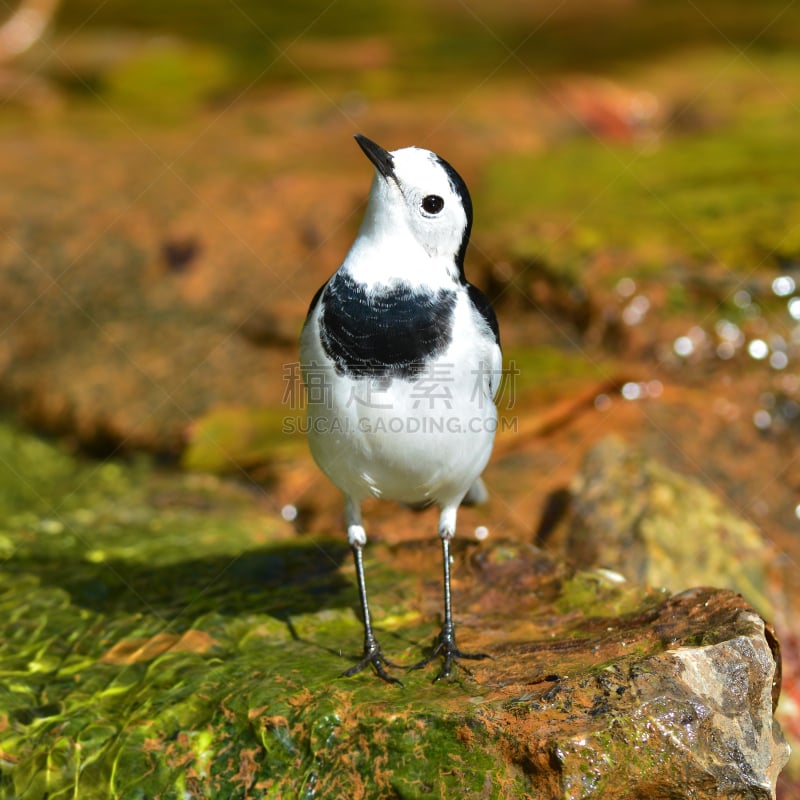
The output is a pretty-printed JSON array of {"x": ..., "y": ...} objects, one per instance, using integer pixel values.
[{"x": 162, "y": 636}]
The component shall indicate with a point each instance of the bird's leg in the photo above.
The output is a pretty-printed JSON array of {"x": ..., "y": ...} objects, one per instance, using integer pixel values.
[
  {"x": 445, "y": 643},
  {"x": 372, "y": 650}
]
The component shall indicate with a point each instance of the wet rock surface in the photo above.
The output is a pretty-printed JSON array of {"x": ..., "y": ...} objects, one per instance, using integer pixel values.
[
  {"x": 139, "y": 671},
  {"x": 630, "y": 513}
]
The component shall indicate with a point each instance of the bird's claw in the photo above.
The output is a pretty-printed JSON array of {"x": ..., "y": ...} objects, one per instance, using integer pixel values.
[
  {"x": 446, "y": 647},
  {"x": 374, "y": 655}
]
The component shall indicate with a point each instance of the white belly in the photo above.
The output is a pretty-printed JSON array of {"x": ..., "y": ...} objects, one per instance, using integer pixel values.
[{"x": 417, "y": 441}]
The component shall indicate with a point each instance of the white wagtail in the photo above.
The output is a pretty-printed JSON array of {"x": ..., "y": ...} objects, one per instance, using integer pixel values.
[{"x": 401, "y": 361}]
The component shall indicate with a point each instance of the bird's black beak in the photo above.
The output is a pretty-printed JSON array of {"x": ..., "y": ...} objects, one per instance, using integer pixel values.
[{"x": 381, "y": 158}]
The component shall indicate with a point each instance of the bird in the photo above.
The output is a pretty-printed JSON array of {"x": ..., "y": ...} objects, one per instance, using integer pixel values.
[{"x": 401, "y": 360}]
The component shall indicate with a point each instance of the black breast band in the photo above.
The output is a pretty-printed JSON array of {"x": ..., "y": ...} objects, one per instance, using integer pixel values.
[{"x": 384, "y": 334}]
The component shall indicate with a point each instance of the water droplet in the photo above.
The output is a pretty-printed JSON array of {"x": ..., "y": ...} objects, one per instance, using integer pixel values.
[
  {"x": 726, "y": 350},
  {"x": 634, "y": 312},
  {"x": 655, "y": 388},
  {"x": 697, "y": 334},
  {"x": 631, "y": 391},
  {"x": 777, "y": 342},
  {"x": 797, "y": 511},
  {"x": 758, "y": 349},
  {"x": 626, "y": 287},
  {"x": 762, "y": 419},
  {"x": 611, "y": 575},
  {"x": 779, "y": 360},
  {"x": 729, "y": 331},
  {"x": 289, "y": 512},
  {"x": 683, "y": 346},
  {"x": 790, "y": 383},
  {"x": 783, "y": 285},
  {"x": 790, "y": 409},
  {"x": 742, "y": 298},
  {"x": 794, "y": 307},
  {"x": 481, "y": 532},
  {"x": 630, "y": 316},
  {"x": 602, "y": 402}
]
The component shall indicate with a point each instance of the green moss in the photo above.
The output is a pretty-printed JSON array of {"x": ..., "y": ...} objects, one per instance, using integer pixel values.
[
  {"x": 536, "y": 370},
  {"x": 599, "y": 594},
  {"x": 157, "y": 639},
  {"x": 431, "y": 41},
  {"x": 717, "y": 196},
  {"x": 229, "y": 439},
  {"x": 166, "y": 80}
]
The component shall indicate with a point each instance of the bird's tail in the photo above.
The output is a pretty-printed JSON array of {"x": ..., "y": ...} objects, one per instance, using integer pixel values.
[{"x": 477, "y": 494}]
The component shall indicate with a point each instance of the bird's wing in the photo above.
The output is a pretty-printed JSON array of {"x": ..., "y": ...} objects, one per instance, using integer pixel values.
[
  {"x": 484, "y": 308},
  {"x": 494, "y": 367},
  {"x": 315, "y": 300}
]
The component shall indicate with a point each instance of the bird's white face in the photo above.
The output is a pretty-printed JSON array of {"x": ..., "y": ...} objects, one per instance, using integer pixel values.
[
  {"x": 423, "y": 196},
  {"x": 419, "y": 204}
]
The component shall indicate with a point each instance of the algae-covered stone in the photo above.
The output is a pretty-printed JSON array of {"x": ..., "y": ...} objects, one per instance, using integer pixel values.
[
  {"x": 632, "y": 514},
  {"x": 177, "y": 642}
]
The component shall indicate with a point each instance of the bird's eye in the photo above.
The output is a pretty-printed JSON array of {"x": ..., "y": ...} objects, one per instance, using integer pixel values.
[{"x": 433, "y": 204}]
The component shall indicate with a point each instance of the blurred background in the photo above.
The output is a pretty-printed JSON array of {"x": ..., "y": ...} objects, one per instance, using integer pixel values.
[{"x": 179, "y": 178}]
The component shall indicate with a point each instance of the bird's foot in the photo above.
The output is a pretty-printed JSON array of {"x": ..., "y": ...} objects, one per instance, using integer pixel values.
[
  {"x": 374, "y": 655},
  {"x": 445, "y": 646}
]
